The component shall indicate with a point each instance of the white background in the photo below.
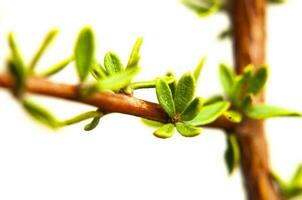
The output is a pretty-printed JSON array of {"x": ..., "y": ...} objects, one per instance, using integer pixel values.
[{"x": 121, "y": 159}]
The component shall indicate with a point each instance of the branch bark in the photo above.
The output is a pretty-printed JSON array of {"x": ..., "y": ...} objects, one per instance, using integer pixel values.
[
  {"x": 108, "y": 102},
  {"x": 248, "y": 19}
]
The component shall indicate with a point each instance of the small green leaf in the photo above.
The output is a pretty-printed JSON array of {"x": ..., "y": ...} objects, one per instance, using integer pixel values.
[
  {"x": 134, "y": 56},
  {"x": 165, "y": 131},
  {"x": 277, "y": 1},
  {"x": 44, "y": 45},
  {"x": 297, "y": 178},
  {"x": 40, "y": 113},
  {"x": 98, "y": 72},
  {"x": 293, "y": 188},
  {"x": 164, "y": 96},
  {"x": 232, "y": 153},
  {"x": 173, "y": 84},
  {"x": 213, "y": 99},
  {"x": 113, "y": 63},
  {"x": 84, "y": 52},
  {"x": 202, "y": 8},
  {"x": 56, "y": 68},
  {"x": 19, "y": 77},
  {"x": 80, "y": 117},
  {"x": 187, "y": 130},
  {"x": 233, "y": 116},
  {"x": 185, "y": 92},
  {"x": 198, "y": 68},
  {"x": 151, "y": 123},
  {"x": 294, "y": 192},
  {"x": 93, "y": 124},
  {"x": 227, "y": 79},
  {"x": 16, "y": 55},
  {"x": 210, "y": 113},
  {"x": 268, "y": 111},
  {"x": 241, "y": 80},
  {"x": 283, "y": 185},
  {"x": 246, "y": 102},
  {"x": 16, "y": 65},
  {"x": 258, "y": 81},
  {"x": 226, "y": 33},
  {"x": 116, "y": 82},
  {"x": 192, "y": 110},
  {"x": 119, "y": 80},
  {"x": 149, "y": 84}
]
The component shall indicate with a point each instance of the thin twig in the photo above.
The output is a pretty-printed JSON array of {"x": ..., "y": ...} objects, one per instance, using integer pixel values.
[{"x": 108, "y": 102}]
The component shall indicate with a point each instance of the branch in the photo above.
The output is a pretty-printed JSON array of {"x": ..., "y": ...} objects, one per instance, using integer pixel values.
[
  {"x": 108, "y": 102},
  {"x": 249, "y": 46}
]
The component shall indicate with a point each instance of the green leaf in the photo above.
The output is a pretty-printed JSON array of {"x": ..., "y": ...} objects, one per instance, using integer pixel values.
[
  {"x": 98, "y": 72},
  {"x": 56, "y": 67},
  {"x": 19, "y": 77},
  {"x": 213, "y": 99},
  {"x": 237, "y": 90},
  {"x": 185, "y": 92},
  {"x": 173, "y": 84},
  {"x": 149, "y": 84},
  {"x": 278, "y": 180},
  {"x": 44, "y": 45},
  {"x": 277, "y": 1},
  {"x": 210, "y": 113},
  {"x": 258, "y": 81},
  {"x": 233, "y": 116},
  {"x": 119, "y": 80},
  {"x": 113, "y": 63},
  {"x": 297, "y": 178},
  {"x": 268, "y": 111},
  {"x": 294, "y": 192},
  {"x": 227, "y": 78},
  {"x": 283, "y": 185},
  {"x": 40, "y": 113},
  {"x": 134, "y": 56},
  {"x": 151, "y": 123},
  {"x": 202, "y": 8},
  {"x": 246, "y": 102},
  {"x": 165, "y": 131},
  {"x": 232, "y": 153},
  {"x": 192, "y": 110},
  {"x": 198, "y": 68},
  {"x": 226, "y": 33},
  {"x": 187, "y": 130},
  {"x": 84, "y": 52},
  {"x": 164, "y": 97},
  {"x": 93, "y": 124},
  {"x": 16, "y": 65},
  {"x": 80, "y": 117},
  {"x": 294, "y": 187},
  {"x": 16, "y": 55}
]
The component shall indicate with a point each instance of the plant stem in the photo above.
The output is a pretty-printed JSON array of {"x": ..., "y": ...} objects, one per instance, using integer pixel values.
[
  {"x": 248, "y": 19},
  {"x": 107, "y": 102}
]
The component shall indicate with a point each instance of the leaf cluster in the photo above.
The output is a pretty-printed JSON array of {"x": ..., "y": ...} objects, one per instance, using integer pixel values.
[
  {"x": 113, "y": 76},
  {"x": 242, "y": 89},
  {"x": 186, "y": 111}
]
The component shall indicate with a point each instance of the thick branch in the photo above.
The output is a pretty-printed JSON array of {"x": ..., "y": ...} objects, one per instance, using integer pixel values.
[
  {"x": 249, "y": 43},
  {"x": 108, "y": 102}
]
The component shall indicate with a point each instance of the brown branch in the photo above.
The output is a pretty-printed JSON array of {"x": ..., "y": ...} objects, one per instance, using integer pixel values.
[
  {"x": 108, "y": 102},
  {"x": 249, "y": 44}
]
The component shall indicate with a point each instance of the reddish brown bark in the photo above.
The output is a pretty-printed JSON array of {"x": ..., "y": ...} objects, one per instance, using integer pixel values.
[
  {"x": 249, "y": 45},
  {"x": 108, "y": 102}
]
